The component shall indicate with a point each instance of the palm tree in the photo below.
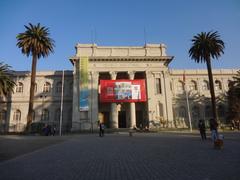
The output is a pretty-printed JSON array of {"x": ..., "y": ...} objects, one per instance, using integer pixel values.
[
  {"x": 6, "y": 83},
  {"x": 35, "y": 42},
  {"x": 207, "y": 46},
  {"x": 233, "y": 95}
]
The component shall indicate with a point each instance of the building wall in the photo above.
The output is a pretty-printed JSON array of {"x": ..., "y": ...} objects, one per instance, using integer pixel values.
[
  {"x": 162, "y": 109},
  {"x": 165, "y": 107},
  {"x": 150, "y": 60},
  {"x": 17, "y": 103},
  {"x": 199, "y": 95}
]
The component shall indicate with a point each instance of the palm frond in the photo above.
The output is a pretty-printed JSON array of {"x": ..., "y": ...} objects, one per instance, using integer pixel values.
[
  {"x": 6, "y": 83},
  {"x": 206, "y": 45},
  {"x": 35, "y": 41}
]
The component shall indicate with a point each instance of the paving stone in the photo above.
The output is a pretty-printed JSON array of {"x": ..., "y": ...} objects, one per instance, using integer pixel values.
[{"x": 120, "y": 157}]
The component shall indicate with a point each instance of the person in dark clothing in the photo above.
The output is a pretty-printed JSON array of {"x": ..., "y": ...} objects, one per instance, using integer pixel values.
[
  {"x": 238, "y": 124},
  {"x": 45, "y": 130},
  {"x": 53, "y": 130},
  {"x": 232, "y": 125},
  {"x": 202, "y": 129},
  {"x": 101, "y": 129}
]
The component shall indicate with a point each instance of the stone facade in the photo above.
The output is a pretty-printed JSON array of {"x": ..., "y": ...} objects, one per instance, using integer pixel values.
[
  {"x": 113, "y": 63},
  {"x": 166, "y": 98},
  {"x": 197, "y": 88},
  {"x": 47, "y": 101}
]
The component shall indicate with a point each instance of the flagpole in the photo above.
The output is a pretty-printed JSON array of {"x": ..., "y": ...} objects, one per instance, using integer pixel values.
[
  {"x": 188, "y": 109},
  {"x": 61, "y": 113}
]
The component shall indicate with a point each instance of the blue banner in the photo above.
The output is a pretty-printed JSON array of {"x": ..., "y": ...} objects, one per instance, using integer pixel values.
[{"x": 84, "y": 92}]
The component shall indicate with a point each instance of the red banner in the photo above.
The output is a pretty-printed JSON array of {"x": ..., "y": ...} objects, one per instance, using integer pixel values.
[{"x": 123, "y": 90}]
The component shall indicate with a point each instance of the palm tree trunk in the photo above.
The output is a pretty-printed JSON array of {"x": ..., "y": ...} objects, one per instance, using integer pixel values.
[
  {"x": 32, "y": 87},
  {"x": 212, "y": 92}
]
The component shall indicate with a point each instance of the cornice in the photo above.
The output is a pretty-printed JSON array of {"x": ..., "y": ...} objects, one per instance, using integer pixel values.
[{"x": 165, "y": 59}]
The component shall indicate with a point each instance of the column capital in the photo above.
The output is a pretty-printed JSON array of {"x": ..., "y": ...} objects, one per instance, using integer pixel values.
[
  {"x": 113, "y": 75},
  {"x": 166, "y": 73},
  {"x": 131, "y": 74},
  {"x": 94, "y": 74},
  {"x": 149, "y": 74}
]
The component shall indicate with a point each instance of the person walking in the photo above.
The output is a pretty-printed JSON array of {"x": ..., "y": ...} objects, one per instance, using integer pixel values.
[
  {"x": 101, "y": 129},
  {"x": 202, "y": 129},
  {"x": 213, "y": 129},
  {"x": 53, "y": 130}
]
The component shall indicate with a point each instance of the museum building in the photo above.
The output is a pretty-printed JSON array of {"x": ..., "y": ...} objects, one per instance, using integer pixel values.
[{"x": 125, "y": 87}]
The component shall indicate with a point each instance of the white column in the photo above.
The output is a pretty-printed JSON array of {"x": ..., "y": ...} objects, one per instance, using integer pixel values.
[
  {"x": 114, "y": 116},
  {"x": 94, "y": 99},
  {"x": 75, "y": 105},
  {"x": 133, "y": 115},
  {"x": 114, "y": 112},
  {"x": 164, "y": 97},
  {"x": 132, "y": 105},
  {"x": 150, "y": 94},
  {"x": 168, "y": 99}
]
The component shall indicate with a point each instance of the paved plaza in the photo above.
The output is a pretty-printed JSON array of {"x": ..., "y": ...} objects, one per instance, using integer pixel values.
[{"x": 157, "y": 156}]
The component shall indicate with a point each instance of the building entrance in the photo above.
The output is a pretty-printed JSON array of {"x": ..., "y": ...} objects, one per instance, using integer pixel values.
[
  {"x": 139, "y": 119},
  {"x": 122, "y": 121},
  {"x": 106, "y": 119}
]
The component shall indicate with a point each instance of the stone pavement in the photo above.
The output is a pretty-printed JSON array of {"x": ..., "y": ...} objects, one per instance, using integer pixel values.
[
  {"x": 177, "y": 156},
  {"x": 14, "y": 145}
]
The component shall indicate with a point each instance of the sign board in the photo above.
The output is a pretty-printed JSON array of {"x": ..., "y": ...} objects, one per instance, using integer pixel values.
[
  {"x": 84, "y": 92},
  {"x": 122, "y": 90}
]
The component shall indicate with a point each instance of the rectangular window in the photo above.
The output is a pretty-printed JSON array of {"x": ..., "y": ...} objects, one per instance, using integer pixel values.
[{"x": 158, "y": 86}]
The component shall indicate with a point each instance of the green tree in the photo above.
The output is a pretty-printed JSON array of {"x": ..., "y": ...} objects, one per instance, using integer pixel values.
[
  {"x": 6, "y": 83},
  {"x": 233, "y": 95},
  {"x": 205, "y": 47},
  {"x": 35, "y": 42}
]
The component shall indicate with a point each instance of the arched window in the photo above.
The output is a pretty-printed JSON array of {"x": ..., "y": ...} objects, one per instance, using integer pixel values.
[
  {"x": 195, "y": 112},
  {"x": 208, "y": 111},
  {"x": 57, "y": 115},
  {"x": 218, "y": 85},
  {"x": 180, "y": 86},
  {"x": 221, "y": 111},
  {"x": 182, "y": 112},
  {"x": 3, "y": 116},
  {"x": 193, "y": 85},
  {"x": 45, "y": 115},
  {"x": 205, "y": 85},
  {"x": 47, "y": 87},
  {"x": 17, "y": 116},
  {"x": 59, "y": 87},
  {"x": 19, "y": 87}
]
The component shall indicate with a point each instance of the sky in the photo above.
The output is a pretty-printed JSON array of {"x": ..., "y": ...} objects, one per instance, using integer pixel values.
[{"x": 120, "y": 23}]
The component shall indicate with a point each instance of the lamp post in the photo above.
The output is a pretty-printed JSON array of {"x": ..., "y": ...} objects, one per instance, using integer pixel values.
[
  {"x": 61, "y": 113},
  {"x": 188, "y": 110}
]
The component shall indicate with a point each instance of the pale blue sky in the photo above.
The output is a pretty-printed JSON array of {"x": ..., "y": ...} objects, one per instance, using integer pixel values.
[{"x": 120, "y": 23}]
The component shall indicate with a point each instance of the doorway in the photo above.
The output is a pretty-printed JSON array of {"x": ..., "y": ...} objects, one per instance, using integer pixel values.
[
  {"x": 122, "y": 122},
  {"x": 139, "y": 119},
  {"x": 106, "y": 119}
]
